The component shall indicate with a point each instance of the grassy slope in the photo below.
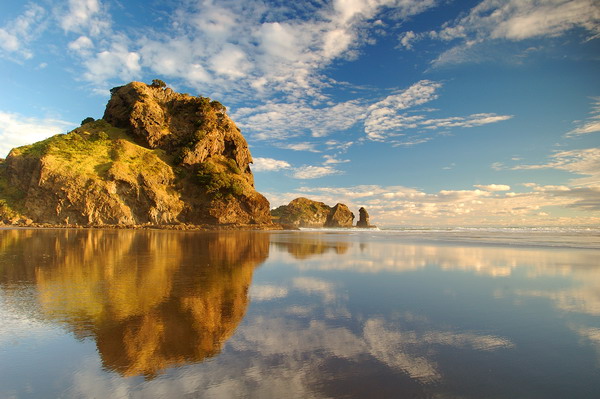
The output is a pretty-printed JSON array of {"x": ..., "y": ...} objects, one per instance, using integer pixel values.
[{"x": 92, "y": 152}]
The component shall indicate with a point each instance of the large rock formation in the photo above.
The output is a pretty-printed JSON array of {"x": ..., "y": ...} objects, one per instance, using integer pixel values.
[
  {"x": 303, "y": 212},
  {"x": 158, "y": 157}
]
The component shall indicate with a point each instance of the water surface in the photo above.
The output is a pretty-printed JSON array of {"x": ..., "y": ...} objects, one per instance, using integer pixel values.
[{"x": 424, "y": 314}]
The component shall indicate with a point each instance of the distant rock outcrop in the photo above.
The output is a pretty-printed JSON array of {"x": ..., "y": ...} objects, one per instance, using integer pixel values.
[
  {"x": 340, "y": 216},
  {"x": 363, "y": 218},
  {"x": 158, "y": 157},
  {"x": 303, "y": 212}
]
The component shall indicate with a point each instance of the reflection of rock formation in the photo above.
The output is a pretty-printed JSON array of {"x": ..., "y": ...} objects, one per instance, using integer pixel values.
[
  {"x": 304, "y": 246},
  {"x": 150, "y": 299}
]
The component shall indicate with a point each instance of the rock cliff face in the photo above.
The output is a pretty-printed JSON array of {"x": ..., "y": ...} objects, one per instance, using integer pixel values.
[
  {"x": 303, "y": 212},
  {"x": 158, "y": 157}
]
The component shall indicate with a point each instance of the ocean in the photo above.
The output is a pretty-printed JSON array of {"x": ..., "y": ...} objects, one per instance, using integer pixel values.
[{"x": 317, "y": 313}]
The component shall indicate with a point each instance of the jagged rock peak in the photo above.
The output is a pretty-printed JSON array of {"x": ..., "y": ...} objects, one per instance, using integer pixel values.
[{"x": 193, "y": 128}]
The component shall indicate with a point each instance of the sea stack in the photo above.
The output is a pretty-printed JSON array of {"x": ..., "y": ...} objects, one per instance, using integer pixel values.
[{"x": 363, "y": 218}]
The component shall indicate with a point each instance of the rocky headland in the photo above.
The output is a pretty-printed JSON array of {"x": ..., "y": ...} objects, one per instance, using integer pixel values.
[{"x": 157, "y": 158}]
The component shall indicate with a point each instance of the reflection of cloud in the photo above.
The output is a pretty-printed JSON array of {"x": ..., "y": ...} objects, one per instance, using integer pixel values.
[
  {"x": 267, "y": 292},
  {"x": 312, "y": 286},
  {"x": 591, "y": 334},
  {"x": 582, "y": 296},
  {"x": 398, "y": 348}
]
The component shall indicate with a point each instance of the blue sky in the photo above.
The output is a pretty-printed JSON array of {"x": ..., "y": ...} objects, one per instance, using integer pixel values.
[{"x": 426, "y": 112}]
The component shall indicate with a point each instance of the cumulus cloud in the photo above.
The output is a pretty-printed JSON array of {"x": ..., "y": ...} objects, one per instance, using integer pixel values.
[
  {"x": 17, "y": 130},
  {"x": 85, "y": 16},
  {"x": 269, "y": 165},
  {"x": 118, "y": 60}
]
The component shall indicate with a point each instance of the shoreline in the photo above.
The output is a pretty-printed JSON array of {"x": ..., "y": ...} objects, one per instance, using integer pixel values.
[{"x": 175, "y": 227}]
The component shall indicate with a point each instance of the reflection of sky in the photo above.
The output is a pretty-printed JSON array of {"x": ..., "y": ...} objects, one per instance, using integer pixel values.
[{"x": 417, "y": 318}]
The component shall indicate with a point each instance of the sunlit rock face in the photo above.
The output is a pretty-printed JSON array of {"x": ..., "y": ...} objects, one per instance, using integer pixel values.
[
  {"x": 178, "y": 305},
  {"x": 158, "y": 157}
]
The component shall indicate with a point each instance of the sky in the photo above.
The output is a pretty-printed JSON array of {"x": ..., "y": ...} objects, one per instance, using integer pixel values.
[{"x": 425, "y": 112}]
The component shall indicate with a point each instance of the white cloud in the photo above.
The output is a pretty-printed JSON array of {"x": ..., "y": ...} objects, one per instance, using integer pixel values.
[
  {"x": 515, "y": 20},
  {"x": 582, "y": 162},
  {"x": 81, "y": 45},
  {"x": 230, "y": 62},
  {"x": 246, "y": 48},
  {"x": 301, "y": 146},
  {"x": 493, "y": 187},
  {"x": 269, "y": 165},
  {"x": 407, "y": 38},
  {"x": 117, "y": 61},
  {"x": 591, "y": 125},
  {"x": 18, "y": 130},
  {"x": 284, "y": 120},
  {"x": 332, "y": 160},
  {"x": 85, "y": 16},
  {"x": 16, "y": 34},
  {"x": 314, "y": 172},
  {"x": 382, "y": 120}
]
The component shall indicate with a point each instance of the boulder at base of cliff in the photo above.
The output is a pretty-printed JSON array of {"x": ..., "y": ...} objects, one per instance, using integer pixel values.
[{"x": 158, "y": 157}]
